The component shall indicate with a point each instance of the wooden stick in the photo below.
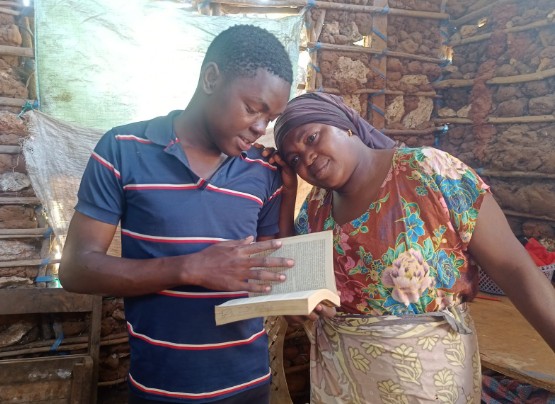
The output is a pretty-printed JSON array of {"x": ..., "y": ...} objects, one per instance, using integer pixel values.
[
  {"x": 409, "y": 132},
  {"x": 61, "y": 348},
  {"x": 388, "y": 92},
  {"x": 10, "y": 4},
  {"x": 26, "y": 263},
  {"x": 31, "y": 232},
  {"x": 509, "y": 212},
  {"x": 478, "y": 5},
  {"x": 500, "y": 120},
  {"x": 16, "y": 51},
  {"x": 339, "y": 6},
  {"x": 112, "y": 382},
  {"x": 10, "y": 149},
  {"x": 516, "y": 174},
  {"x": 45, "y": 250},
  {"x": 478, "y": 13},
  {"x": 479, "y": 38},
  {"x": 14, "y": 102},
  {"x": 229, "y": 9},
  {"x": 379, "y": 65},
  {"x": 19, "y": 200},
  {"x": 8, "y": 11},
  {"x": 27, "y": 351},
  {"x": 314, "y": 35},
  {"x": 44, "y": 346},
  {"x": 520, "y": 78},
  {"x": 361, "y": 49}
]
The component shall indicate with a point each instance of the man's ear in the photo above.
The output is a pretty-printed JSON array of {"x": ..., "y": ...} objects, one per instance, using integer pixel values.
[{"x": 211, "y": 77}]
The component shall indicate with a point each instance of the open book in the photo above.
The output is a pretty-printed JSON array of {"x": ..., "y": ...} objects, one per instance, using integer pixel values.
[{"x": 308, "y": 283}]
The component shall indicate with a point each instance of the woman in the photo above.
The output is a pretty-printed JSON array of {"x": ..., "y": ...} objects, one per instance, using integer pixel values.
[{"x": 408, "y": 225}]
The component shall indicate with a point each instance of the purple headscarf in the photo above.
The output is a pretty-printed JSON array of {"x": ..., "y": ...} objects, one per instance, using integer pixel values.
[{"x": 330, "y": 110}]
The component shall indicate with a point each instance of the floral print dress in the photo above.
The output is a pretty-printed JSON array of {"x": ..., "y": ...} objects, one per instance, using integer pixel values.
[
  {"x": 408, "y": 252},
  {"x": 402, "y": 333}
]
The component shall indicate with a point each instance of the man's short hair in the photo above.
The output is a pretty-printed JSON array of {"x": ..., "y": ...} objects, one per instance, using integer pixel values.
[{"x": 242, "y": 49}]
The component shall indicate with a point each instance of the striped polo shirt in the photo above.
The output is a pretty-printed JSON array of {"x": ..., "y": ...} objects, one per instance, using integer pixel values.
[{"x": 139, "y": 175}]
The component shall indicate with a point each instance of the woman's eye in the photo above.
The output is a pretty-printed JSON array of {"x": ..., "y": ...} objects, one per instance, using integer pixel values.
[
  {"x": 293, "y": 162},
  {"x": 311, "y": 138}
]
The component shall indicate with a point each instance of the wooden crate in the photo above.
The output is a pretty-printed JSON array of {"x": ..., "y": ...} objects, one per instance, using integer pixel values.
[{"x": 56, "y": 379}]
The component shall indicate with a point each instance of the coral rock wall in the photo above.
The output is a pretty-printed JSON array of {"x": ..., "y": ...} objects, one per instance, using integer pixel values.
[{"x": 501, "y": 85}]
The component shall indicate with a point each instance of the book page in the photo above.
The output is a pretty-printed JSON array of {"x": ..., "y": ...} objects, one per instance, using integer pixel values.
[
  {"x": 295, "y": 303},
  {"x": 313, "y": 255}
]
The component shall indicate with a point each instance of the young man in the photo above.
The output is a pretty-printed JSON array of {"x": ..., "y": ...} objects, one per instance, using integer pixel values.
[{"x": 191, "y": 196}]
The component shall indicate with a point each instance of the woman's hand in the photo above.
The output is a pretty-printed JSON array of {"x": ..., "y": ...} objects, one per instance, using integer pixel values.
[
  {"x": 288, "y": 175},
  {"x": 320, "y": 311}
]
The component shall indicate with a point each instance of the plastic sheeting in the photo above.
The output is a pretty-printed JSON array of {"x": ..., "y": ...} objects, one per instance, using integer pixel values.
[
  {"x": 56, "y": 154},
  {"x": 102, "y": 63}
]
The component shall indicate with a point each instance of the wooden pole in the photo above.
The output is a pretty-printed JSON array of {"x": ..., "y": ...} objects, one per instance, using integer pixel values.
[
  {"x": 25, "y": 263},
  {"x": 8, "y": 50},
  {"x": 520, "y": 78},
  {"x": 228, "y": 9},
  {"x": 479, "y": 38},
  {"x": 500, "y": 120},
  {"x": 8, "y": 11},
  {"x": 19, "y": 200},
  {"x": 14, "y": 102},
  {"x": 361, "y": 49},
  {"x": 10, "y": 4},
  {"x": 376, "y": 103},
  {"x": 478, "y": 13},
  {"x": 509, "y": 212},
  {"x": 112, "y": 382},
  {"x": 515, "y": 174},
  {"x": 23, "y": 233},
  {"x": 10, "y": 149},
  {"x": 315, "y": 80},
  {"x": 332, "y": 90},
  {"x": 409, "y": 132},
  {"x": 340, "y": 6},
  {"x": 44, "y": 346}
]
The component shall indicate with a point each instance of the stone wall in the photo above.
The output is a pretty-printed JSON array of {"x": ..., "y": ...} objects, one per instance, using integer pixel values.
[{"x": 498, "y": 96}]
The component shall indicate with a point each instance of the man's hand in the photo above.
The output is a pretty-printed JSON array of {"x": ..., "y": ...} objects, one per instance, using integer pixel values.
[{"x": 230, "y": 264}]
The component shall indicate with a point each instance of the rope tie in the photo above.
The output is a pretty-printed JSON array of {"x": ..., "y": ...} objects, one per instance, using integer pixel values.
[
  {"x": 316, "y": 68},
  {"x": 378, "y": 110},
  {"x": 379, "y": 34}
]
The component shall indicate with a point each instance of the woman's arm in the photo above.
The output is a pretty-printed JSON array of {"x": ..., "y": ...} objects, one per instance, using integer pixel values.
[{"x": 505, "y": 260}]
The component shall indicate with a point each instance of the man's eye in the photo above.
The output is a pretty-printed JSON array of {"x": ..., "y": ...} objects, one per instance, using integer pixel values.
[{"x": 249, "y": 109}]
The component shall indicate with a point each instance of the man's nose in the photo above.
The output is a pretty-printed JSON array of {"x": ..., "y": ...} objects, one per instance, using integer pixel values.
[{"x": 259, "y": 126}]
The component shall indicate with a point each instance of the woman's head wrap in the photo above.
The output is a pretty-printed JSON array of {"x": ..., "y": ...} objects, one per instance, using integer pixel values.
[{"x": 330, "y": 110}]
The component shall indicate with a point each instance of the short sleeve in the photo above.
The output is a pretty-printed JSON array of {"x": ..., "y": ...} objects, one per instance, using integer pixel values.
[
  {"x": 100, "y": 194},
  {"x": 460, "y": 187}
]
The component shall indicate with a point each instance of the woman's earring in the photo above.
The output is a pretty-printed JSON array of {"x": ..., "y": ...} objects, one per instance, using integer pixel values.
[{"x": 349, "y": 132}]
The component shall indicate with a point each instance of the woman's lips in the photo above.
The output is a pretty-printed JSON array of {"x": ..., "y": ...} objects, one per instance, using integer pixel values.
[{"x": 319, "y": 169}]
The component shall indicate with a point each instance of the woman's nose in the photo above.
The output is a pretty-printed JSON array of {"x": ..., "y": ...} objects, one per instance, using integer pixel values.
[{"x": 308, "y": 157}]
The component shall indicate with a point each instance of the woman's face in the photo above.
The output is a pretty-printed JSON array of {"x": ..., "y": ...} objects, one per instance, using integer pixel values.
[{"x": 321, "y": 154}]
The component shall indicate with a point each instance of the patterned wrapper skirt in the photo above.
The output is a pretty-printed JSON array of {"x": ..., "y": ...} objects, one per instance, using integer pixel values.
[{"x": 423, "y": 358}]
